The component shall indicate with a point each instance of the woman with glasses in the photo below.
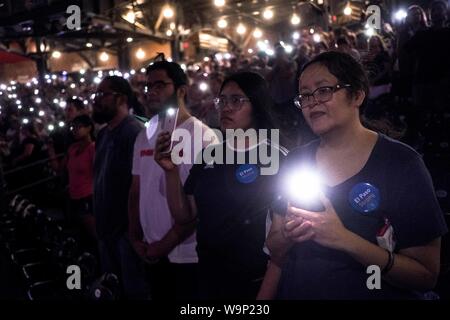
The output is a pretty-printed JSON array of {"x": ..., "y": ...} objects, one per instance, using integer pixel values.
[
  {"x": 360, "y": 220},
  {"x": 230, "y": 200}
]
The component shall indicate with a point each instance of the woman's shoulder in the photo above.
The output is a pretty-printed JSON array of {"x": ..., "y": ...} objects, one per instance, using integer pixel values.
[{"x": 399, "y": 151}]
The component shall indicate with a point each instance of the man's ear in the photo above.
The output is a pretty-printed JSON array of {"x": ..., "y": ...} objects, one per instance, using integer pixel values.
[
  {"x": 123, "y": 100},
  {"x": 181, "y": 93}
]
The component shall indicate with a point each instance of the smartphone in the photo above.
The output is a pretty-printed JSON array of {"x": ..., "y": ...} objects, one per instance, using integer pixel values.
[{"x": 167, "y": 123}]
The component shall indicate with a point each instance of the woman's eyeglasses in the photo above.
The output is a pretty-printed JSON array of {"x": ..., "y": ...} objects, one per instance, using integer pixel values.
[
  {"x": 235, "y": 102},
  {"x": 320, "y": 95}
]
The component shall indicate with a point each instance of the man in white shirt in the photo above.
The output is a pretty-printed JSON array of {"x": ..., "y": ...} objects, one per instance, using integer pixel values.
[{"x": 170, "y": 249}]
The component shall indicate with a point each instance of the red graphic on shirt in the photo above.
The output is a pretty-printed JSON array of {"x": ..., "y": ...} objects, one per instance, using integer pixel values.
[{"x": 147, "y": 153}]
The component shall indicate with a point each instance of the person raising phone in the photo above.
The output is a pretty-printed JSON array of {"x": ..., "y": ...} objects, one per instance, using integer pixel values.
[
  {"x": 168, "y": 246},
  {"x": 230, "y": 201}
]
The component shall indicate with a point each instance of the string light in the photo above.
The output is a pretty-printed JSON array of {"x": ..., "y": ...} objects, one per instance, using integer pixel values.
[
  {"x": 129, "y": 39},
  {"x": 168, "y": 12},
  {"x": 222, "y": 23},
  {"x": 219, "y": 3},
  {"x": 56, "y": 54},
  {"x": 348, "y": 9},
  {"x": 104, "y": 57},
  {"x": 241, "y": 29},
  {"x": 140, "y": 54},
  {"x": 257, "y": 33},
  {"x": 268, "y": 14},
  {"x": 295, "y": 20},
  {"x": 130, "y": 17}
]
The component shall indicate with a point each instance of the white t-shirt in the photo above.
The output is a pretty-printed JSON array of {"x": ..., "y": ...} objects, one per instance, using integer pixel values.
[{"x": 155, "y": 216}]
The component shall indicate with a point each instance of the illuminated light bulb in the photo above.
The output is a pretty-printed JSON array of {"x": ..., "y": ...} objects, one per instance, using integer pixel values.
[
  {"x": 63, "y": 104},
  {"x": 56, "y": 54},
  {"x": 295, "y": 20},
  {"x": 61, "y": 124},
  {"x": 296, "y": 35},
  {"x": 219, "y": 3},
  {"x": 38, "y": 100},
  {"x": 268, "y": 14},
  {"x": 241, "y": 29},
  {"x": 140, "y": 54},
  {"x": 130, "y": 17},
  {"x": 222, "y": 23},
  {"x": 348, "y": 10},
  {"x": 168, "y": 12},
  {"x": 104, "y": 56},
  {"x": 51, "y": 127},
  {"x": 89, "y": 45},
  {"x": 41, "y": 113},
  {"x": 257, "y": 33}
]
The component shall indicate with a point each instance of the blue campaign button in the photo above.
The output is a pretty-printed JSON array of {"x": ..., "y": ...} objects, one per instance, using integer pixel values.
[
  {"x": 247, "y": 173},
  {"x": 364, "y": 197}
]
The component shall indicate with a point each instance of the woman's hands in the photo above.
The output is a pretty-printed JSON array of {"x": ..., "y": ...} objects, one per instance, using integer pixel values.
[{"x": 325, "y": 228}]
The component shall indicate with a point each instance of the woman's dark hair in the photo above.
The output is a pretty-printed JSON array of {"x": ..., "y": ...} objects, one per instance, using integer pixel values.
[
  {"x": 257, "y": 90},
  {"x": 349, "y": 71},
  {"x": 424, "y": 20},
  {"x": 346, "y": 69},
  {"x": 85, "y": 121}
]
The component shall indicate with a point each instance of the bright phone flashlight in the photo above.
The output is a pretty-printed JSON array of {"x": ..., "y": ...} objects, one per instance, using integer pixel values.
[{"x": 303, "y": 189}]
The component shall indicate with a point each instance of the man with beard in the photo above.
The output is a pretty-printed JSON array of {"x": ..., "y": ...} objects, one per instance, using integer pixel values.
[
  {"x": 112, "y": 179},
  {"x": 169, "y": 248}
]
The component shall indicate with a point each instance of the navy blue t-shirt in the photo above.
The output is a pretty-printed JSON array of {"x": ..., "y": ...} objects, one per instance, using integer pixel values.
[
  {"x": 405, "y": 196},
  {"x": 233, "y": 201}
]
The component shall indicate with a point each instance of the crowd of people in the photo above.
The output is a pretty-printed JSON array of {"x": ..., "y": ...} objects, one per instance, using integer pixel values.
[{"x": 200, "y": 231}]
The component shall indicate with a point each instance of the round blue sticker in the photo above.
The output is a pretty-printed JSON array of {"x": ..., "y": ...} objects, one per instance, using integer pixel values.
[
  {"x": 247, "y": 173},
  {"x": 364, "y": 197}
]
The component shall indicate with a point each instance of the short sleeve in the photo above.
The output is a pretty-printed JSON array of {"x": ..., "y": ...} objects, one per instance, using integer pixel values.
[
  {"x": 191, "y": 181},
  {"x": 415, "y": 215},
  {"x": 136, "y": 170}
]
